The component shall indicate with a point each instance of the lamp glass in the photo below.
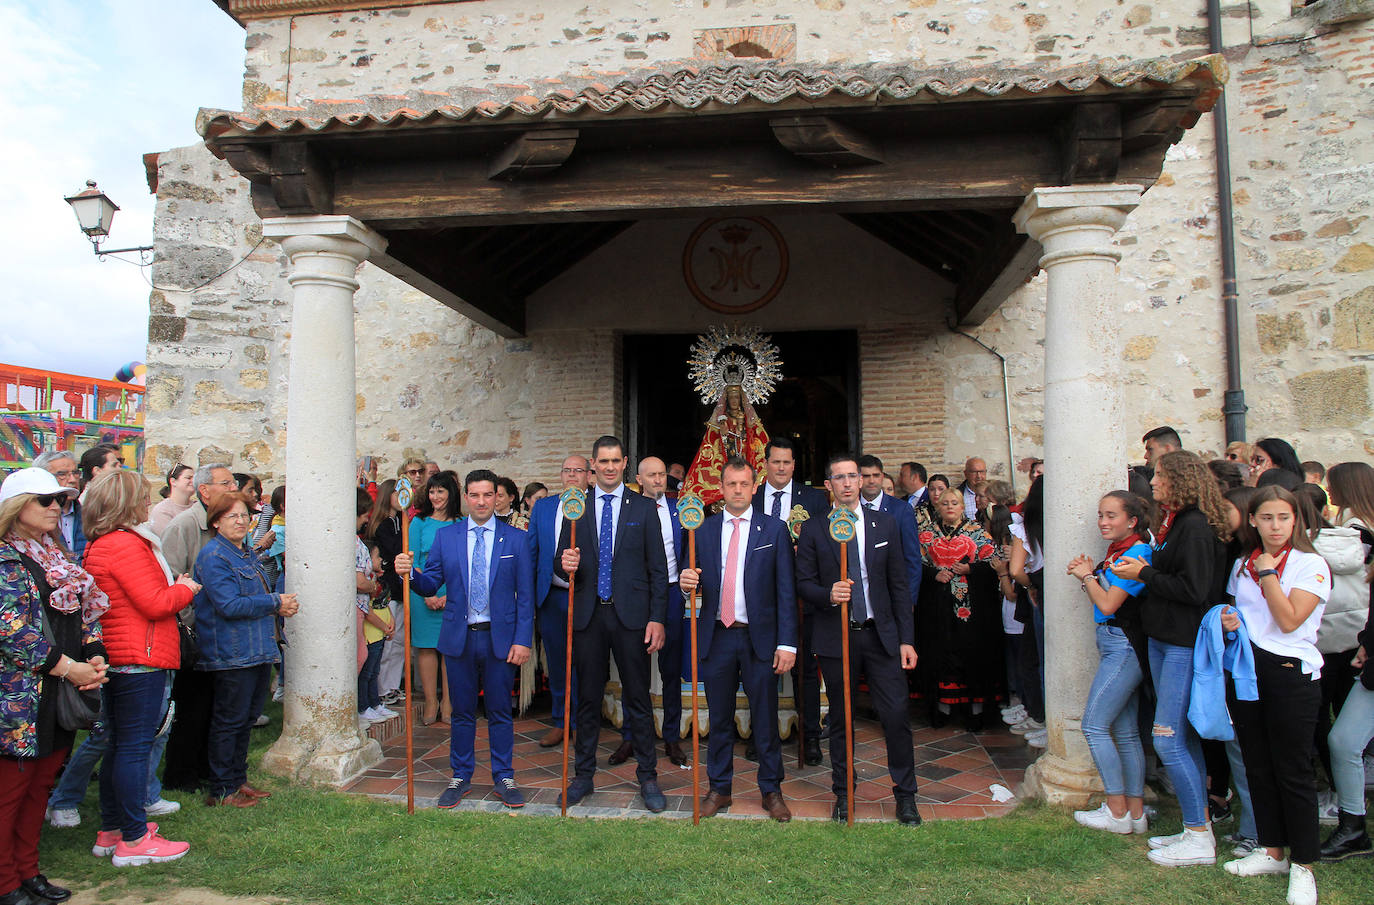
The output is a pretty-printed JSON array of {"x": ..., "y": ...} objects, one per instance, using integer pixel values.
[{"x": 94, "y": 212}]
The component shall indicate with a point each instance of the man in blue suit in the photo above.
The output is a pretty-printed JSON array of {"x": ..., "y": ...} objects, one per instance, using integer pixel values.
[
  {"x": 620, "y": 601},
  {"x": 653, "y": 484},
  {"x": 871, "y": 496},
  {"x": 881, "y": 629},
  {"x": 551, "y": 591},
  {"x": 487, "y": 633},
  {"x": 746, "y": 633},
  {"x": 777, "y": 497}
]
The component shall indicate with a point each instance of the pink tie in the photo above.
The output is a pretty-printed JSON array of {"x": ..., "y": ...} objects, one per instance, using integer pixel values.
[{"x": 727, "y": 593}]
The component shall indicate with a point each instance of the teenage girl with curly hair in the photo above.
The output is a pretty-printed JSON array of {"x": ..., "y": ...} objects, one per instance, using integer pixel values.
[{"x": 1184, "y": 579}]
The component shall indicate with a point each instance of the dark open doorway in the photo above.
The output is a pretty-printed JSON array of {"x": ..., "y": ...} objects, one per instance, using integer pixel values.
[{"x": 815, "y": 404}]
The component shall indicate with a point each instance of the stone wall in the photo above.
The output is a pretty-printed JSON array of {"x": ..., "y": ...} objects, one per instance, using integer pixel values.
[{"x": 432, "y": 382}]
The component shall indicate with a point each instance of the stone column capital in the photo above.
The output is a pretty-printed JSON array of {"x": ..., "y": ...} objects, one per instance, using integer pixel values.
[
  {"x": 337, "y": 233},
  {"x": 1076, "y": 221}
]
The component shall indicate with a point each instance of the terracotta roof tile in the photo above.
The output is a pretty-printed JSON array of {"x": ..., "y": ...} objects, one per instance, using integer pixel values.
[{"x": 691, "y": 86}]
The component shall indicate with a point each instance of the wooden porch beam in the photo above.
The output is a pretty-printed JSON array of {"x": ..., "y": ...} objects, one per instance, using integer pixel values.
[
  {"x": 1012, "y": 259},
  {"x": 825, "y": 141},
  {"x": 538, "y": 152}
]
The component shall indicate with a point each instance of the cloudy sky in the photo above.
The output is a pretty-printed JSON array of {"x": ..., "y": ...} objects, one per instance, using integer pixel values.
[{"x": 88, "y": 87}]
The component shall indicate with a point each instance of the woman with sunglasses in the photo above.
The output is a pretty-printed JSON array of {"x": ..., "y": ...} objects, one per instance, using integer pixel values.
[
  {"x": 236, "y": 624},
  {"x": 50, "y": 611},
  {"x": 178, "y": 496}
]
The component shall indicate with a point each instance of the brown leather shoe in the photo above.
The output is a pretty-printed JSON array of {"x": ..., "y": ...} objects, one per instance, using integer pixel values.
[
  {"x": 253, "y": 792},
  {"x": 235, "y": 800},
  {"x": 675, "y": 753},
  {"x": 776, "y": 807},
  {"x": 713, "y": 802},
  {"x": 621, "y": 754},
  {"x": 553, "y": 737}
]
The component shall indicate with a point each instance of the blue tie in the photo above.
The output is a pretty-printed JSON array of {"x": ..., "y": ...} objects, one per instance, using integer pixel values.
[
  {"x": 477, "y": 590},
  {"x": 777, "y": 504},
  {"x": 605, "y": 544}
]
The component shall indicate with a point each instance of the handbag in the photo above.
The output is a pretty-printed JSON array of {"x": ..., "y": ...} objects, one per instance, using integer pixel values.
[
  {"x": 76, "y": 709},
  {"x": 190, "y": 645}
]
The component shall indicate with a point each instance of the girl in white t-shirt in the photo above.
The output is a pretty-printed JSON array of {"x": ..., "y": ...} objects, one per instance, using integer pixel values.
[{"x": 1280, "y": 586}]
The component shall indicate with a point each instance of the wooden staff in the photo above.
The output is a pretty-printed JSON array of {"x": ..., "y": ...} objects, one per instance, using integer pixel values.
[
  {"x": 696, "y": 732},
  {"x": 405, "y": 637},
  {"x": 567, "y": 672},
  {"x": 848, "y": 705}
]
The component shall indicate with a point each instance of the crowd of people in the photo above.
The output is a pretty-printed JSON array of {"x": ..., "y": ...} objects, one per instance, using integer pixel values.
[{"x": 1231, "y": 608}]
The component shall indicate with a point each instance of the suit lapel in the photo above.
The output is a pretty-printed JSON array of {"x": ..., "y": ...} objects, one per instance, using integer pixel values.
[
  {"x": 464, "y": 558},
  {"x": 498, "y": 539}
]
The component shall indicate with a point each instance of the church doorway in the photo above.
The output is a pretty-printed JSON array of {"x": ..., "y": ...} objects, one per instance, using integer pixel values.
[{"x": 816, "y": 404}]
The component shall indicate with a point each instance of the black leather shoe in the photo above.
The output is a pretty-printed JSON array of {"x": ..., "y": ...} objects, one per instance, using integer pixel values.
[
  {"x": 621, "y": 754},
  {"x": 675, "y": 754},
  {"x": 21, "y": 896},
  {"x": 906, "y": 811},
  {"x": 840, "y": 813},
  {"x": 751, "y": 753},
  {"x": 1347, "y": 840},
  {"x": 812, "y": 752},
  {"x": 39, "y": 887}
]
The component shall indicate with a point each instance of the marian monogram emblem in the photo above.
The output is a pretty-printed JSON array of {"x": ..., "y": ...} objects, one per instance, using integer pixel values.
[
  {"x": 735, "y": 264},
  {"x": 795, "y": 518}
]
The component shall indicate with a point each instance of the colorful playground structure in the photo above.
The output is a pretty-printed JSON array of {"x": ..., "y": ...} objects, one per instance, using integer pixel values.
[{"x": 42, "y": 410}]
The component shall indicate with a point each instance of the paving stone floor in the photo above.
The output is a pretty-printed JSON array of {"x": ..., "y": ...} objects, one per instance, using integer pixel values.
[{"x": 955, "y": 770}]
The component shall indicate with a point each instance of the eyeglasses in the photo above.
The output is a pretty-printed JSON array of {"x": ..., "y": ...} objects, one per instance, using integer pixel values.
[
  {"x": 844, "y": 477},
  {"x": 46, "y": 501},
  {"x": 574, "y": 471},
  {"x": 228, "y": 483},
  {"x": 415, "y": 471}
]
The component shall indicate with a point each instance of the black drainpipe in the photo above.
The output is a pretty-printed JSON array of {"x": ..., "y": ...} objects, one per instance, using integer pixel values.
[{"x": 1233, "y": 407}]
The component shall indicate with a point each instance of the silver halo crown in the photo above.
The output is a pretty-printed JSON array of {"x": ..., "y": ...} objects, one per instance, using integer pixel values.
[{"x": 734, "y": 355}]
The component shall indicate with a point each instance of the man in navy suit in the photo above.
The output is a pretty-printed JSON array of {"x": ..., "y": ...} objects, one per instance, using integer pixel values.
[
  {"x": 776, "y": 497},
  {"x": 912, "y": 482},
  {"x": 620, "y": 601},
  {"x": 487, "y": 633},
  {"x": 653, "y": 484},
  {"x": 746, "y": 633},
  {"x": 881, "y": 629},
  {"x": 551, "y": 591},
  {"x": 871, "y": 496}
]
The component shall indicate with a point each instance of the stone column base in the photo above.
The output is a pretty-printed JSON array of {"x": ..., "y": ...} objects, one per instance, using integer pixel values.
[
  {"x": 333, "y": 761},
  {"x": 1060, "y": 781}
]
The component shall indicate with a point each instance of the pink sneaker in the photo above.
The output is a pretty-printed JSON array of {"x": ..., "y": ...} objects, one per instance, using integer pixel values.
[
  {"x": 106, "y": 840},
  {"x": 151, "y": 849}
]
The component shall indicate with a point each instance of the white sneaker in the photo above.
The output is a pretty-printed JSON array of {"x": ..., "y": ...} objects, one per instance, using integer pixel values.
[
  {"x": 1103, "y": 819},
  {"x": 161, "y": 807},
  {"x": 279, "y": 695},
  {"x": 386, "y": 712},
  {"x": 1027, "y": 725},
  {"x": 1196, "y": 847},
  {"x": 1328, "y": 808},
  {"x": 64, "y": 817},
  {"x": 1013, "y": 715},
  {"x": 262, "y": 720},
  {"x": 1140, "y": 825},
  {"x": 1039, "y": 738},
  {"x": 1302, "y": 886},
  {"x": 372, "y": 716},
  {"x": 1165, "y": 841},
  {"x": 1256, "y": 864}
]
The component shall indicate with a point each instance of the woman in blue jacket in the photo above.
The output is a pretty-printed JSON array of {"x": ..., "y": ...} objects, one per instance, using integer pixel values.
[
  {"x": 235, "y": 624},
  {"x": 1109, "y": 720}
]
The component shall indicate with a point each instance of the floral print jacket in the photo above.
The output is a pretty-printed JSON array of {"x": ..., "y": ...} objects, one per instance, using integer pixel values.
[{"x": 25, "y": 655}]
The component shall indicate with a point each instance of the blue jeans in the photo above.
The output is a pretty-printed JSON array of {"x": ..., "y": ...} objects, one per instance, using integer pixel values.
[
  {"x": 76, "y": 777},
  {"x": 368, "y": 696},
  {"x": 239, "y": 693},
  {"x": 133, "y": 705},
  {"x": 1349, "y": 735},
  {"x": 1109, "y": 720},
  {"x": 1178, "y": 746}
]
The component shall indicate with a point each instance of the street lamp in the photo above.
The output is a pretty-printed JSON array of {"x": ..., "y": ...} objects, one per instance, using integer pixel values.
[{"x": 95, "y": 212}]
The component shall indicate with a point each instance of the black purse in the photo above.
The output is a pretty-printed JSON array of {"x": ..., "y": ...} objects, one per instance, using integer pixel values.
[{"x": 76, "y": 709}]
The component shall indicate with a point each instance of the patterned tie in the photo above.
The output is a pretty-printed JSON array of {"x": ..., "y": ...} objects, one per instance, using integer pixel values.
[
  {"x": 605, "y": 549},
  {"x": 858, "y": 608},
  {"x": 477, "y": 588},
  {"x": 777, "y": 504},
  {"x": 869, "y": 505},
  {"x": 727, "y": 592}
]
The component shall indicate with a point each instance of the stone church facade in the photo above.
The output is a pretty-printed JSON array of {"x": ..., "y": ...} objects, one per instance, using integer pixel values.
[{"x": 529, "y": 212}]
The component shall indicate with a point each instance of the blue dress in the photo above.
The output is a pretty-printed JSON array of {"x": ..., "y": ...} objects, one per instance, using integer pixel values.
[{"x": 424, "y": 622}]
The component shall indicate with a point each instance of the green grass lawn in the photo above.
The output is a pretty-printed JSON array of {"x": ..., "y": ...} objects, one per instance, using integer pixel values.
[{"x": 312, "y": 846}]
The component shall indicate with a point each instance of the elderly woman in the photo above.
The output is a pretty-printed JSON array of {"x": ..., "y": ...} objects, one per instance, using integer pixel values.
[
  {"x": 235, "y": 620},
  {"x": 125, "y": 558},
  {"x": 49, "y": 634},
  {"x": 960, "y": 615}
]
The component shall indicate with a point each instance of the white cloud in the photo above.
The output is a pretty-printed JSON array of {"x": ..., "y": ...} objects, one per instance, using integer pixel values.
[{"x": 87, "y": 88}]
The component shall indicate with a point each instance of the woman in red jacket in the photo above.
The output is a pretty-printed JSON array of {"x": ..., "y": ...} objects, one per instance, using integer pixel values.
[{"x": 125, "y": 558}]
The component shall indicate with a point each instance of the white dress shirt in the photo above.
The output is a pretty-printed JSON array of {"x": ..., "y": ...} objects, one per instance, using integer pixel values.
[
  {"x": 769, "y": 490},
  {"x": 617, "y": 498},
  {"x": 665, "y": 524}
]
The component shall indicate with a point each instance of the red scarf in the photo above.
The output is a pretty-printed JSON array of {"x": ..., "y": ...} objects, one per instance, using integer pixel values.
[
  {"x": 1164, "y": 527},
  {"x": 1117, "y": 549},
  {"x": 1278, "y": 567}
]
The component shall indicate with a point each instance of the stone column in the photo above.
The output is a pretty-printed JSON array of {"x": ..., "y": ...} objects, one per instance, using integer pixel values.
[
  {"x": 1085, "y": 450},
  {"x": 321, "y": 741}
]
